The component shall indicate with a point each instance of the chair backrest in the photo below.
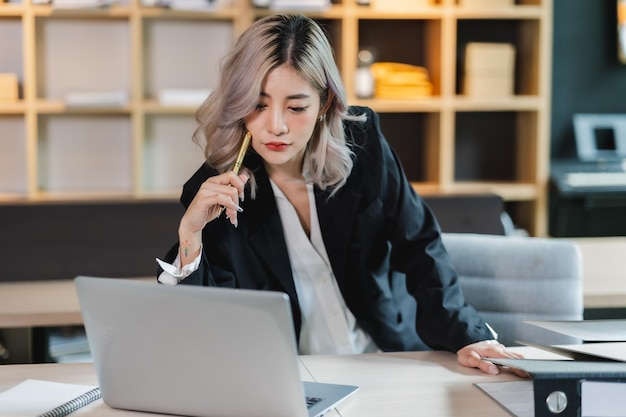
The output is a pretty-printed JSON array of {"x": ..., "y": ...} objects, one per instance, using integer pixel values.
[{"x": 508, "y": 279}]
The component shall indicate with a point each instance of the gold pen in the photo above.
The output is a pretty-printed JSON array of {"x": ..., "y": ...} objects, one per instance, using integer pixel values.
[
  {"x": 240, "y": 156},
  {"x": 242, "y": 152}
]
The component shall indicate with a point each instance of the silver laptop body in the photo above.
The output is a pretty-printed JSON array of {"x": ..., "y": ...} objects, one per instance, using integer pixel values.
[{"x": 197, "y": 351}]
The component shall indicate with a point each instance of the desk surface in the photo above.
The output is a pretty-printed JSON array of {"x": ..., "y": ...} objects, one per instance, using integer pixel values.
[{"x": 391, "y": 384}]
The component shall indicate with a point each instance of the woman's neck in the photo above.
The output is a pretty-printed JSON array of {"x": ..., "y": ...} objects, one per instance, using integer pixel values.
[{"x": 285, "y": 173}]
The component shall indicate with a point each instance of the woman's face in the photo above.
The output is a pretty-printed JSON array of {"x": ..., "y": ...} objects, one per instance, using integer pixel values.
[{"x": 284, "y": 120}]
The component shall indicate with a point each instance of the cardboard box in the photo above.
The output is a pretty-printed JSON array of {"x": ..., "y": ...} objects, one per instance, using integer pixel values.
[
  {"x": 8, "y": 87},
  {"x": 489, "y": 69}
]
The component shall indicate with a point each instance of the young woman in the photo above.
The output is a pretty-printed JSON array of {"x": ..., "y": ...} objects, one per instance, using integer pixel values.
[{"x": 321, "y": 209}]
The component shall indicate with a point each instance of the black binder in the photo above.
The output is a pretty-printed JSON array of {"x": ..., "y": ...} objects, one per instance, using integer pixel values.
[{"x": 557, "y": 383}]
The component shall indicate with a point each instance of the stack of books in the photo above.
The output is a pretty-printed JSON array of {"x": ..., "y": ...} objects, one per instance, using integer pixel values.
[
  {"x": 68, "y": 344},
  {"x": 183, "y": 96},
  {"x": 112, "y": 98},
  {"x": 299, "y": 4},
  {"x": 400, "y": 81},
  {"x": 82, "y": 4}
]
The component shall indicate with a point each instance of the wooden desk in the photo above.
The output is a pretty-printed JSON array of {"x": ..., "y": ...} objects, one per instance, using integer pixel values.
[{"x": 391, "y": 384}]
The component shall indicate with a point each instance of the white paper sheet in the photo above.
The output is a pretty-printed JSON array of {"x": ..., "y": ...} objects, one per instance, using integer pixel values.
[{"x": 516, "y": 397}]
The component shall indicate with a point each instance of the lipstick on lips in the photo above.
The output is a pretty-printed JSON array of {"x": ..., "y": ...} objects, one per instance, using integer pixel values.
[{"x": 276, "y": 146}]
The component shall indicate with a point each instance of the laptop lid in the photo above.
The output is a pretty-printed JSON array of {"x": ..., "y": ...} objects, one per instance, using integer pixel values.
[{"x": 196, "y": 351}]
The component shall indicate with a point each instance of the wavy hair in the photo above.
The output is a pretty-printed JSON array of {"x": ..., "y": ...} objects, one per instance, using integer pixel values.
[{"x": 299, "y": 42}]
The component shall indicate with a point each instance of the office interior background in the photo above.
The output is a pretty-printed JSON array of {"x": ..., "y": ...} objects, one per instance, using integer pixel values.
[{"x": 55, "y": 225}]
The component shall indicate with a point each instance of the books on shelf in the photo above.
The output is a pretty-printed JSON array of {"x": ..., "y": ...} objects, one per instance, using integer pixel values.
[
  {"x": 201, "y": 5},
  {"x": 82, "y": 4},
  {"x": 69, "y": 344},
  {"x": 115, "y": 98},
  {"x": 300, "y": 4},
  {"x": 183, "y": 96}
]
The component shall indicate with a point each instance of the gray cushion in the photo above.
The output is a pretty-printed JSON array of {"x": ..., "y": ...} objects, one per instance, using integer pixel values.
[{"x": 508, "y": 279}]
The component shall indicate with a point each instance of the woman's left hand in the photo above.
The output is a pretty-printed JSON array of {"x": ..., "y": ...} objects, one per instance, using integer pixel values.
[{"x": 471, "y": 355}]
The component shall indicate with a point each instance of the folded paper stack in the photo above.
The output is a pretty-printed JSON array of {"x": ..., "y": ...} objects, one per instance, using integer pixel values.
[{"x": 397, "y": 80}]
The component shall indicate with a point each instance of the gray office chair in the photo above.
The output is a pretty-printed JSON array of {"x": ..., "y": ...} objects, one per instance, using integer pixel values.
[{"x": 508, "y": 279}]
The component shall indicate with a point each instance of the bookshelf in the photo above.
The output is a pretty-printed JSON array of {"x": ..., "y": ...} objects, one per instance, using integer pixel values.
[{"x": 141, "y": 149}]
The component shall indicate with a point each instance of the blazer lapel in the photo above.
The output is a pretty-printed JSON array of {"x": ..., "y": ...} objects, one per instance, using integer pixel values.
[
  {"x": 266, "y": 234},
  {"x": 336, "y": 215}
]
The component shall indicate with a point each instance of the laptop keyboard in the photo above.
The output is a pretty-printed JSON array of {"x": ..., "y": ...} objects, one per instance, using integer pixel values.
[{"x": 311, "y": 401}]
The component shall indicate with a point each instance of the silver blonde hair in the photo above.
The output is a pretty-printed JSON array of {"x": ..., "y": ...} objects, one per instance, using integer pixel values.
[{"x": 299, "y": 42}]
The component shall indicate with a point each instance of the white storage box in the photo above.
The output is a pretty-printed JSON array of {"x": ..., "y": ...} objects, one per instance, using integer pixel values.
[{"x": 489, "y": 69}]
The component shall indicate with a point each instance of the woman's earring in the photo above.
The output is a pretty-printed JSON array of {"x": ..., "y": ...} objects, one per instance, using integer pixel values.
[{"x": 322, "y": 117}]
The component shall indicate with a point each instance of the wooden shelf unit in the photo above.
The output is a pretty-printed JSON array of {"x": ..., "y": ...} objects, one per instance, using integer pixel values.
[{"x": 448, "y": 143}]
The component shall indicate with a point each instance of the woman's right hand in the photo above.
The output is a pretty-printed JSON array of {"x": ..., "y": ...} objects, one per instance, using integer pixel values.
[{"x": 219, "y": 193}]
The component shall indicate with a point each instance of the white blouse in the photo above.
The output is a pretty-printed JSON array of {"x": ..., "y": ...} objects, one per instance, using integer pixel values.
[{"x": 328, "y": 326}]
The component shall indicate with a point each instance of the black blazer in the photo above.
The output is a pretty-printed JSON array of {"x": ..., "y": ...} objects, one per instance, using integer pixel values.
[{"x": 382, "y": 240}]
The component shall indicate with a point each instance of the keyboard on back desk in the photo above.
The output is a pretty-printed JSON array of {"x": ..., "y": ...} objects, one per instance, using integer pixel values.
[{"x": 596, "y": 179}]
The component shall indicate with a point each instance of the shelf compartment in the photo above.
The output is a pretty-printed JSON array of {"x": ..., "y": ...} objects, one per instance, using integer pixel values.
[
  {"x": 115, "y": 12},
  {"x": 420, "y": 45},
  {"x": 167, "y": 65},
  {"x": 13, "y": 174},
  {"x": 169, "y": 155},
  {"x": 82, "y": 56},
  {"x": 522, "y": 34},
  {"x": 11, "y": 57},
  {"x": 414, "y": 138},
  {"x": 495, "y": 146},
  {"x": 99, "y": 160},
  {"x": 223, "y": 13},
  {"x": 335, "y": 11}
]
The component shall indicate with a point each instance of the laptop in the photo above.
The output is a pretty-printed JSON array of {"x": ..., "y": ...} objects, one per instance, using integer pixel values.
[{"x": 198, "y": 351}]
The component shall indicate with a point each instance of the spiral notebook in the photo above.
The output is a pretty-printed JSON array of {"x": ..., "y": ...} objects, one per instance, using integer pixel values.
[{"x": 45, "y": 398}]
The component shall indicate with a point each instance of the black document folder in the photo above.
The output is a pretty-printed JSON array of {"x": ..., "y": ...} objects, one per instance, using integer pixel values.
[{"x": 565, "y": 388}]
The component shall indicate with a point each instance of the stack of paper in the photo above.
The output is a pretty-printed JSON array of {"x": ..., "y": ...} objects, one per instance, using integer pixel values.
[
  {"x": 200, "y": 5},
  {"x": 115, "y": 98},
  {"x": 300, "y": 4},
  {"x": 397, "y": 80},
  {"x": 590, "y": 380},
  {"x": 191, "y": 4},
  {"x": 183, "y": 96},
  {"x": 82, "y": 4}
]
